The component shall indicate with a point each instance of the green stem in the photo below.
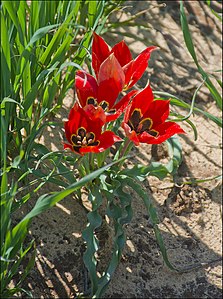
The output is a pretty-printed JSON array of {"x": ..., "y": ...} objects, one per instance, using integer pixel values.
[
  {"x": 127, "y": 147},
  {"x": 91, "y": 161},
  {"x": 128, "y": 144},
  {"x": 101, "y": 157},
  {"x": 83, "y": 166}
]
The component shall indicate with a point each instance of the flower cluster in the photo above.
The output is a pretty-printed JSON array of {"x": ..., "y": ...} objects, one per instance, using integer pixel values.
[{"x": 99, "y": 102}]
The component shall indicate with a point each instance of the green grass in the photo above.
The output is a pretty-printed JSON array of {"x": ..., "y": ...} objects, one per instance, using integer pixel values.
[{"x": 42, "y": 45}]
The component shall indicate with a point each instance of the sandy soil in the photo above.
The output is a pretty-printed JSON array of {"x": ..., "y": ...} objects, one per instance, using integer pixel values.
[{"x": 190, "y": 215}]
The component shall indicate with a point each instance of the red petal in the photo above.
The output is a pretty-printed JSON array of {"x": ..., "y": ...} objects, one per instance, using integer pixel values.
[
  {"x": 166, "y": 130},
  {"x": 100, "y": 51},
  {"x": 89, "y": 149},
  {"x": 107, "y": 139},
  {"x": 142, "y": 100},
  {"x": 122, "y": 53},
  {"x": 128, "y": 71},
  {"x": 130, "y": 134},
  {"x": 121, "y": 106},
  {"x": 74, "y": 120},
  {"x": 127, "y": 113},
  {"x": 90, "y": 118},
  {"x": 95, "y": 121},
  {"x": 158, "y": 111},
  {"x": 68, "y": 132},
  {"x": 86, "y": 86},
  {"x": 110, "y": 80},
  {"x": 112, "y": 117},
  {"x": 95, "y": 114},
  {"x": 134, "y": 70}
]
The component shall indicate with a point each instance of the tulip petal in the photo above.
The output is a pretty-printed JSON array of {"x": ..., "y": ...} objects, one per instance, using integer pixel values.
[
  {"x": 110, "y": 80},
  {"x": 74, "y": 120},
  {"x": 130, "y": 134},
  {"x": 86, "y": 87},
  {"x": 107, "y": 139},
  {"x": 166, "y": 130},
  {"x": 122, "y": 53},
  {"x": 95, "y": 114},
  {"x": 128, "y": 70},
  {"x": 142, "y": 100},
  {"x": 100, "y": 51},
  {"x": 135, "y": 69},
  {"x": 159, "y": 111}
]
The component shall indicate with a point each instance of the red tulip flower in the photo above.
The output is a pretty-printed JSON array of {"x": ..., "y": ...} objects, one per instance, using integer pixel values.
[
  {"x": 103, "y": 92},
  {"x": 145, "y": 119},
  {"x": 84, "y": 130},
  {"x": 133, "y": 68}
]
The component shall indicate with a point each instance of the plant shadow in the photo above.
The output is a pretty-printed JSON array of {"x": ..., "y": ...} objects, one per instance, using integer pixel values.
[{"x": 186, "y": 226}]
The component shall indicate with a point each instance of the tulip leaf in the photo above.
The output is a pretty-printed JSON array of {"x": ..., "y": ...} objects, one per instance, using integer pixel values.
[
  {"x": 120, "y": 211},
  {"x": 190, "y": 46},
  {"x": 94, "y": 221},
  {"x": 158, "y": 169},
  {"x": 15, "y": 238},
  {"x": 40, "y": 33},
  {"x": 180, "y": 103}
]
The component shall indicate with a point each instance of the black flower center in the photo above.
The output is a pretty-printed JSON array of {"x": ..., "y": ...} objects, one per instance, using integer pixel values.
[
  {"x": 139, "y": 124},
  {"x": 83, "y": 139},
  {"x": 92, "y": 101},
  {"x": 103, "y": 104}
]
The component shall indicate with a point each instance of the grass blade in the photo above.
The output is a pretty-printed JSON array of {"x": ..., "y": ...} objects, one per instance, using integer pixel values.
[{"x": 190, "y": 46}]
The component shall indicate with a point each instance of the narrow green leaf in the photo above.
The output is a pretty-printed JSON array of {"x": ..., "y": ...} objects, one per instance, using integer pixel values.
[
  {"x": 186, "y": 32},
  {"x": 40, "y": 33},
  {"x": 5, "y": 59},
  {"x": 94, "y": 221},
  {"x": 180, "y": 103},
  {"x": 92, "y": 10},
  {"x": 45, "y": 202},
  {"x": 158, "y": 169},
  {"x": 190, "y": 46},
  {"x": 45, "y": 58}
]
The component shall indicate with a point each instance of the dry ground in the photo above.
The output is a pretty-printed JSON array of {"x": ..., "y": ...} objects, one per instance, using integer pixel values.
[{"x": 190, "y": 215}]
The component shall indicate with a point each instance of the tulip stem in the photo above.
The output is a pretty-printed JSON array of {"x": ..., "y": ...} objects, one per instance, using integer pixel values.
[
  {"x": 125, "y": 150},
  {"x": 82, "y": 167},
  {"x": 127, "y": 147},
  {"x": 91, "y": 161}
]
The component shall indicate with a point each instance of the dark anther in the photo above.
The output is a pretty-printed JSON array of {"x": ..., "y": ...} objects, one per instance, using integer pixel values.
[
  {"x": 145, "y": 125},
  {"x": 90, "y": 137},
  {"x": 153, "y": 133},
  {"x": 112, "y": 111},
  {"x": 81, "y": 132},
  {"x": 140, "y": 125},
  {"x": 135, "y": 119},
  {"x": 92, "y": 101},
  {"x": 104, "y": 105},
  {"x": 76, "y": 139},
  {"x": 83, "y": 139}
]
